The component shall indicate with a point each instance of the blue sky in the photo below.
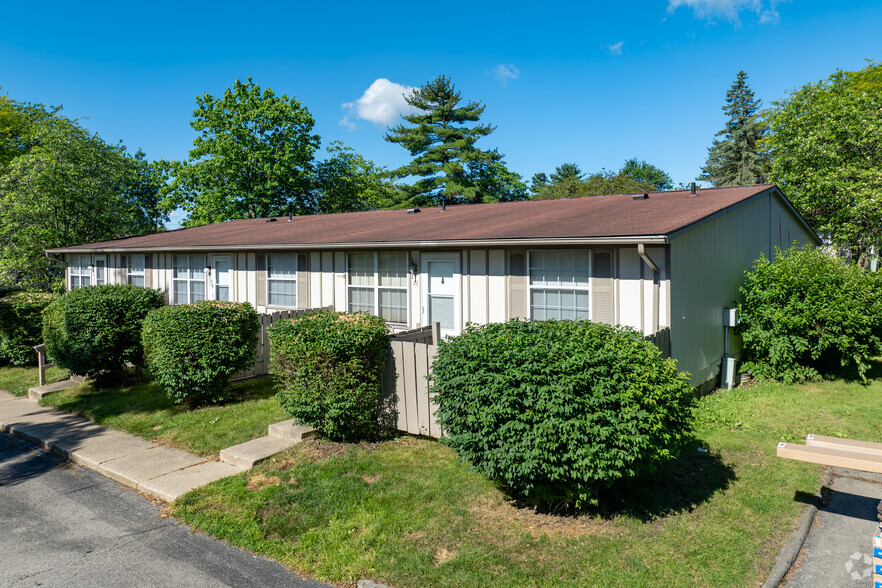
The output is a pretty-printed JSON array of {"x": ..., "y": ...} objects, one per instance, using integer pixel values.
[{"x": 592, "y": 83}]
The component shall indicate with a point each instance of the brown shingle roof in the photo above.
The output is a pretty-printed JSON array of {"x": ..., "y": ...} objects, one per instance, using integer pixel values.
[{"x": 618, "y": 216}]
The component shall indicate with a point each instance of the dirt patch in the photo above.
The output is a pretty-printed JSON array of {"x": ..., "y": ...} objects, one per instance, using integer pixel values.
[
  {"x": 259, "y": 482},
  {"x": 443, "y": 555},
  {"x": 371, "y": 479},
  {"x": 508, "y": 518},
  {"x": 415, "y": 535}
]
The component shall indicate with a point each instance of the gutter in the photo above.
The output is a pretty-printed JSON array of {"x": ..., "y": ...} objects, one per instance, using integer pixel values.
[
  {"x": 656, "y": 278},
  {"x": 459, "y": 243}
]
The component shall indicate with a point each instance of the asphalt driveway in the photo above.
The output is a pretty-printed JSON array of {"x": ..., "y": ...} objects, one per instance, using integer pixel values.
[{"x": 63, "y": 525}]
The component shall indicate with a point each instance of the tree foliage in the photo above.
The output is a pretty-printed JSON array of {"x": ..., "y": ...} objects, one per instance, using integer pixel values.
[
  {"x": 601, "y": 183},
  {"x": 646, "y": 173},
  {"x": 495, "y": 182},
  {"x": 826, "y": 145},
  {"x": 738, "y": 158},
  {"x": 253, "y": 158},
  {"x": 65, "y": 186},
  {"x": 347, "y": 182},
  {"x": 807, "y": 314},
  {"x": 442, "y": 144}
]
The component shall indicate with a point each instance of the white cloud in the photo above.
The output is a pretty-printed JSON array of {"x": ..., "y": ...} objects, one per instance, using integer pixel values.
[
  {"x": 713, "y": 10},
  {"x": 381, "y": 104},
  {"x": 504, "y": 72},
  {"x": 614, "y": 48}
]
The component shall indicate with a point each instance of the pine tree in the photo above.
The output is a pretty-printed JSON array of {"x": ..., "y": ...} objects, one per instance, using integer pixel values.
[
  {"x": 738, "y": 158},
  {"x": 441, "y": 144}
]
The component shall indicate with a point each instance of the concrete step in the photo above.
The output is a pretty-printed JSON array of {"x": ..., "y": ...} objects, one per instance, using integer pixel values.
[
  {"x": 38, "y": 392},
  {"x": 290, "y": 431},
  {"x": 245, "y": 455},
  {"x": 171, "y": 486}
]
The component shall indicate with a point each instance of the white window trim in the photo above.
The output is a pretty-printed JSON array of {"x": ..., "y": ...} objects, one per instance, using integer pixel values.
[
  {"x": 189, "y": 277},
  {"x": 130, "y": 272},
  {"x": 270, "y": 279},
  {"x": 586, "y": 289},
  {"x": 82, "y": 270},
  {"x": 375, "y": 286}
]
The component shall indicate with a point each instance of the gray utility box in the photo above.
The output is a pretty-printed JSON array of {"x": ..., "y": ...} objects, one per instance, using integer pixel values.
[{"x": 730, "y": 317}]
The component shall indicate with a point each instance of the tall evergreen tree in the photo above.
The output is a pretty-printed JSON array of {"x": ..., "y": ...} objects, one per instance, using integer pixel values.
[
  {"x": 737, "y": 159},
  {"x": 441, "y": 143}
]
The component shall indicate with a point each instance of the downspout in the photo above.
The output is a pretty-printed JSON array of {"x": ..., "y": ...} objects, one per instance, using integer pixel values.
[{"x": 656, "y": 278}]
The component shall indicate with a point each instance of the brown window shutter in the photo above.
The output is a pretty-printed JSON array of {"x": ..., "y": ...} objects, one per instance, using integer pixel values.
[
  {"x": 261, "y": 280},
  {"x": 148, "y": 270},
  {"x": 518, "y": 304},
  {"x": 302, "y": 280},
  {"x": 603, "y": 310}
]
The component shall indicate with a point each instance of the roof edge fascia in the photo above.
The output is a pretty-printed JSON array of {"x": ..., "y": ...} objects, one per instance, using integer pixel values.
[{"x": 458, "y": 243}]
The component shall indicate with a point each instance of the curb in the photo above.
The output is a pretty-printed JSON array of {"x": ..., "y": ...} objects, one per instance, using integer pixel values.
[{"x": 791, "y": 549}]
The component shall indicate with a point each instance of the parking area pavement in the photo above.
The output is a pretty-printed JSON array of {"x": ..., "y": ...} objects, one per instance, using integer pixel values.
[
  {"x": 64, "y": 525},
  {"x": 838, "y": 550}
]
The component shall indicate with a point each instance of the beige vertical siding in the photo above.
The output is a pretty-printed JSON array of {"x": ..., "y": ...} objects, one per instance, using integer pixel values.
[
  {"x": 315, "y": 283},
  {"x": 478, "y": 288},
  {"x": 707, "y": 268},
  {"x": 630, "y": 288},
  {"x": 497, "y": 283}
]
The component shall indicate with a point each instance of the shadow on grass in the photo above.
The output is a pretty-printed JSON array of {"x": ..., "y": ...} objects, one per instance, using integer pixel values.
[
  {"x": 832, "y": 371},
  {"x": 678, "y": 486}
]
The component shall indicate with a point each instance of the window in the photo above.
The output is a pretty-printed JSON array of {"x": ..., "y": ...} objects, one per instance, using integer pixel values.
[
  {"x": 378, "y": 285},
  {"x": 79, "y": 271},
  {"x": 135, "y": 270},
  {"x": 559, "y": 284},
  {"x": 188, "y": 278},
  {"x": 281, "y": 279}
]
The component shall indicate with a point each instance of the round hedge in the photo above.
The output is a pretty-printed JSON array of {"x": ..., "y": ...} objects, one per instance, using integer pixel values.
[
  {"x": 21, "y": 326},
  {"x": 558, "y": 410},
  {"x": 97, "y": 330},
  {"x": 329, "y": 369},
  {"x": 807, "y": 313},
  {"x": 192, "y": 350}
]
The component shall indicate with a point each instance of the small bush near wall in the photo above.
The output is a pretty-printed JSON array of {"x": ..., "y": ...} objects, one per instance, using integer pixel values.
[
  {"x": 329, "y": 368},
  {"x": 558, "y": 410},
  {"x": 21, "y": 326},
  {"x": 806, "y": 314},
  {"x": 193, "y": 349},
  {"x": 95, "y": 331}
]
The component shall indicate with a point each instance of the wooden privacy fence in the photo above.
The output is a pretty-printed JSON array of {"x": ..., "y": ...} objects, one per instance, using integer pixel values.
[
  {"x": 407, "y": 405},
  {"x": 662, "y": 340},
  {"x": 262, "y": 353}
]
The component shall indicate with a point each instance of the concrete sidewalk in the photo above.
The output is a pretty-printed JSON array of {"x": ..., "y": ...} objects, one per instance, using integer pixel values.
[
  {"x": 838, "y": 549},
  {"x": 155, "y": 470}
]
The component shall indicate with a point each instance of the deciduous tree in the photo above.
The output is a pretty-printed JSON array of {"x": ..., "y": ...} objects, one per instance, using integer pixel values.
[
  {"x": 253, "y": 158},
  {"x": 347, "y": 182},
  {"x": 826, "y": 145},
  {"x": 640, "y": 171}
]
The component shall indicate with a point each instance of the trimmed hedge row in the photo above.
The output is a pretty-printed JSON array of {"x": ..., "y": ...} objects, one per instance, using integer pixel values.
[
  {"x": 21, "y": 326},
  {"x": 806, "y": 314},
  {"x": 95, "y": 331},
  {"x": 558, "y": 410},
  {"x": 192, "y": 350},
  {"x": 329, "y": 367}
]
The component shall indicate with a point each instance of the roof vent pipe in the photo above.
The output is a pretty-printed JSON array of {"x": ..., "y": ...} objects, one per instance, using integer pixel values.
[
  {"x": 290, "y": 216},
  {"x": 444, "y": 204},
  {"x": 639, "y": 196},
  {"x": 692, "y": 188}
]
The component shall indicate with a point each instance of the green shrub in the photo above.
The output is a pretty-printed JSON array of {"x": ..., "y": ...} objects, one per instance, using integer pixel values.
[
  {"x": 192, "y": 350},
  {"x": 560, "y": 410},
  {"x": 21, "y": 326},
  {"x": 806, "y": 314},
  {"x": 329, "y": 367},
  {"x": 96, "y": 330}
]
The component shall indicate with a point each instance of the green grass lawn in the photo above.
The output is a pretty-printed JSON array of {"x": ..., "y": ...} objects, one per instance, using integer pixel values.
[
  {"x": 143, "y": 409},
  {"x": 406, "y": 513},
  {"x": 17, "y": 380}
]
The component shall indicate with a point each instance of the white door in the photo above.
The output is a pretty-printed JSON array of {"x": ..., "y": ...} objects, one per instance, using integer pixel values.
[
  {"x": 441, "y": 285},
  {"x": 100, "y": 270},
  {"x": 221, "y": 279}
]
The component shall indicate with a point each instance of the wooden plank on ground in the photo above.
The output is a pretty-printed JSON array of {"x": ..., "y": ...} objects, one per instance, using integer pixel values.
[
  {"x": 410, "y": 391},
  {"x": 832, "y": 457},
  {"x": 401, "y": 402},
  {"x": 421, "y": 385},
  {"x": 846, "y": 444}
]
